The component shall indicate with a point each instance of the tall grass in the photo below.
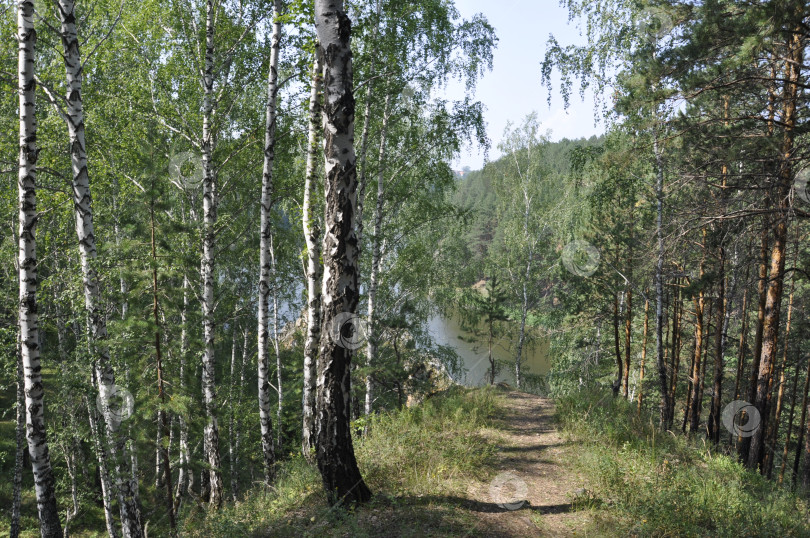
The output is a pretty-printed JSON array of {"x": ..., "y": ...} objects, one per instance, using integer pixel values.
[
  {"x": 649, "y": 483},
  {"x": 423, "y": 451}
]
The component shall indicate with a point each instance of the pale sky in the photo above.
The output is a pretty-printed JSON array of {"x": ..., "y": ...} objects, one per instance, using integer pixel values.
[{"x": 512, "y": 89}]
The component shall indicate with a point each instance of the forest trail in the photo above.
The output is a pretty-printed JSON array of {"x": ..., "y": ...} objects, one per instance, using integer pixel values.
[{"x": 531, "y": 466}]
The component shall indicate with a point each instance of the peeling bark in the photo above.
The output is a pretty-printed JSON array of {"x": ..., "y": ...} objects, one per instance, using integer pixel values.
[{"x": 335, "y": 453}]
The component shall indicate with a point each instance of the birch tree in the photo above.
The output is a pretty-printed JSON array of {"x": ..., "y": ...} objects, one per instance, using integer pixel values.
[
  {"x": 335, "y": 452},
  {"x": 312, "y": 233},
  {"x": 265, "y": 246},
  {"x": 36, "y": 433},
  {"x": 82, "y": 203}
]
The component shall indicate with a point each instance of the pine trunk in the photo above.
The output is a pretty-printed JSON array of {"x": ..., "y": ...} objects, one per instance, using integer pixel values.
[
  {"x": 666, "y": 418},
  {"x": 643, "y": 355},
  {"x": 782, "y": 200},
  {"x": 744, "y": 443},
  {"x": 694, "y": 412},
  {"x": 719, "y": 363}
]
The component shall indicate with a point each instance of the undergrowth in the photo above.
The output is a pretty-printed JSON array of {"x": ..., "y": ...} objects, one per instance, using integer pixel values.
[
  {"x": 413, "y": 460},
  {"x": 644, "y": 482}
]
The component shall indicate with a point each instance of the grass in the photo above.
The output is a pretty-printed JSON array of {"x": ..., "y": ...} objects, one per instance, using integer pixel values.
[
  {"x": 416, "y": 461},
  {"x": 643, "y": 482}
]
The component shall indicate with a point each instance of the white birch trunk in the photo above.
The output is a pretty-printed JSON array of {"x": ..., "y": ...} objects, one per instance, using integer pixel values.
[
  {"x": 279, "y": 387},
  {"x": 82, "y": 203},
  {"x": 312, "y": 234},
  {"x": 335, "y": 454},
  {"x": 361, "y": 164},
  {"x": 265, "y": 264},
  {"x": 237, "y": 435},
  {"x": 103, "y": 470},
  {"x": 231, "y": 417},
  {"x": 211, "y": 432},
  {"x": 27, "y": 264},
  {"x": 182, "y": 475},
  {"x": 376, "y": 244}
]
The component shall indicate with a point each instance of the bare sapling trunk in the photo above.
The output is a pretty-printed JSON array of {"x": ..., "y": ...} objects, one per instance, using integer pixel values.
[
  {"x": 376, "y": 250},
  {"x": 265, "y": 263},
  {"x": 666, "y": 418},
  {"x": 619, "y": 361},
  {"x": 163, "y": 419},
  {"x": 364, "y": 136},
  {"x": 697, "y": 377},
  {"x": 643, "y": 355},
  {"x": 183, "y": 471},
  {"x": 335, "y": 452},
  {"x": 312, "y": 236},
  {"x": 277, "y": 349}
]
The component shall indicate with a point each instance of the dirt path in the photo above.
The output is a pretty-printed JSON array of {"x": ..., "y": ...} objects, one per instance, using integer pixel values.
[{"x": 532, "y": 493}]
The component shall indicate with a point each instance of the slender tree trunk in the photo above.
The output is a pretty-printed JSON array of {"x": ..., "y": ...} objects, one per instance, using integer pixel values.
[
  {"x": 643, "y": 355},
  {"x": 364, "y": 136},
  {"x": 277, "y": 350},
  {"x": 628, "y": 326},
  {"x": 677, "y": 318},
  {"x": 19, "y": 431},
  {"x": 744, "y": 443},
  {"x": 741, "y": 346},
  {"x": 694, "y": 415},
  {"x": 103, "y": 470},
  {"x": 312, "y": 233},
  {"x": 376, "y": 244},
  {"x": 163, "y": 422},
  {"x": 791, "y": 415},
  {"x": 335, "y": 453},
  {"x": 773, "y": 428},
  {"x": 265, "y": 263},
  {"x": 704, "y": 361},
  {"x": 719, "y": 362},
  {"x": 619, "y": 362},
  {"x": 802, "y": 422},
  {"x": 183, "y": 472},
  {"x": 210, "y": 203},
  {"x": 659, "y": 284},
  {"x": 27, "y": 263},
  {"x": 237, "y": 426},
  {"x": 82, "y": 203}
]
